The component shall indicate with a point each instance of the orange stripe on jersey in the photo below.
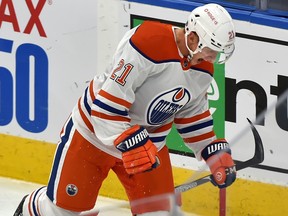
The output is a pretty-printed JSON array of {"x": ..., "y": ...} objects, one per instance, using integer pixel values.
[
  {"x": 159, "y": 45},
  {"x": 84, "y": 117},
  {"x": 163, "y": 128},
  {"x": 91, "y": 90},
  {"x": 219, "y": 140},
  {"x": 114, "y": 99},
  {"x": 109, "y": 117},
  {"x": 192, "y": 119},
  {"x": 204, "y": 66},
  {"x": 200, "y": 137},
  {"x": 30, "y": 203}
]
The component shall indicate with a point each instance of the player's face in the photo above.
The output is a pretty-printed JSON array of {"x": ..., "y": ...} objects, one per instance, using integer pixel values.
[{"x": 206, "y": 54}]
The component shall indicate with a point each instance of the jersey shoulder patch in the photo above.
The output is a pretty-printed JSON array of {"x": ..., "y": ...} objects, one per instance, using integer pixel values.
[{"x": 155, "y": 41}]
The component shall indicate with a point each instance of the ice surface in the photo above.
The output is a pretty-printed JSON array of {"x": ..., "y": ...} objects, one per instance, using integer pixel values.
[{"x": 12, "y": 191}]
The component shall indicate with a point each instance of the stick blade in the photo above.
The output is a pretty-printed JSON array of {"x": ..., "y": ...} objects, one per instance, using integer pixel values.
[{"x": 259, "y": 149}]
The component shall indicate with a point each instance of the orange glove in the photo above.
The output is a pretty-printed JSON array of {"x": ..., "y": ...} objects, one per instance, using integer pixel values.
[
  {"x": 218, "y": 157},
  {"x": 139, "y": 154}
]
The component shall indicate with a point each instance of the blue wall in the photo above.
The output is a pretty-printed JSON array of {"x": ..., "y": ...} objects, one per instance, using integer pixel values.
[{"x": 245, "y": 12}]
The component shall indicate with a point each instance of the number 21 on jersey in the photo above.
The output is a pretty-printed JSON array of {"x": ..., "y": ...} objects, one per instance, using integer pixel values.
[{"x": 121, "y": 72}]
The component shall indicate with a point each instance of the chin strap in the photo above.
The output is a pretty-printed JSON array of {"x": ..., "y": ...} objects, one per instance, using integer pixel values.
[{"x": 191, "y": 52}]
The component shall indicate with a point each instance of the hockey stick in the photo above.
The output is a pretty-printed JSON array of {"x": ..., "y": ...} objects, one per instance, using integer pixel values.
[{"x": 256, "y": 159}]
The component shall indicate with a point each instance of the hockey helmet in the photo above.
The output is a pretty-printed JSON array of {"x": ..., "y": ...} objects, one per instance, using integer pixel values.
[{"x": 215, "y": 29}]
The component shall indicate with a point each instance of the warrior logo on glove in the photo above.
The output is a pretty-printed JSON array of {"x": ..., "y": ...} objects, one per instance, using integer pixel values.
[
  {"x": 212, "y": 148},
  {"x": 136, "y": 139}
]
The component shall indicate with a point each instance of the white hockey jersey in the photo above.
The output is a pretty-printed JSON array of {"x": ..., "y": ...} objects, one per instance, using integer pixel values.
[{"x": 151, "y": 84}]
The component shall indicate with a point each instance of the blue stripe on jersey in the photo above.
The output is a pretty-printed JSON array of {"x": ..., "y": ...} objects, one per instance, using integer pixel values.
[
  {"x": 195, "y": 127},
  {"x": 88, "y": 108},
  {"x": 64, "y": 139},
  {"x": 34, "y": 201},
  {"x": 109, "y": 108},
  {"x": 157, "y": 139}
]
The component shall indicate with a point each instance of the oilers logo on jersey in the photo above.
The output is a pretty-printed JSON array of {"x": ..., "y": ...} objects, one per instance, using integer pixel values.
[
  {"x": 71, "y": 189},
  {"x": 167, "y": 104}
]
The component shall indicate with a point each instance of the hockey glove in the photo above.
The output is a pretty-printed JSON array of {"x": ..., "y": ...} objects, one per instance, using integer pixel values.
[
  {"x": 218, "y": 157},
  {"x": 139, "y": 154}
]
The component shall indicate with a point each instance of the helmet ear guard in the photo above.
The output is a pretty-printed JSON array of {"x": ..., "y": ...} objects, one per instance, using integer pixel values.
[{"x": 190, "y": 27}]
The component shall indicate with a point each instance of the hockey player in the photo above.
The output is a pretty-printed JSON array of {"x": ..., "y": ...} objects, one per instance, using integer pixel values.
[{"x": 158, "y": 77}]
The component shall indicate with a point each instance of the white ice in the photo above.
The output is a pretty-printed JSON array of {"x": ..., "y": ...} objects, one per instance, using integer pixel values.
[{"x": 12, "y": 191}]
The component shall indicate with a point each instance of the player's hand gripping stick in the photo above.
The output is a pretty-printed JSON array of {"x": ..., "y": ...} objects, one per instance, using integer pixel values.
[
  {"x": 139, "y": 154},
  {"x": 218, "y": 157}
]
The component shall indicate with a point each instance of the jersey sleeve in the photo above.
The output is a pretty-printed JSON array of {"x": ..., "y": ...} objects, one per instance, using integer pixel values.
[
  {"x": 195, "y": 125},
  {"x": 110, "y": 108}
]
